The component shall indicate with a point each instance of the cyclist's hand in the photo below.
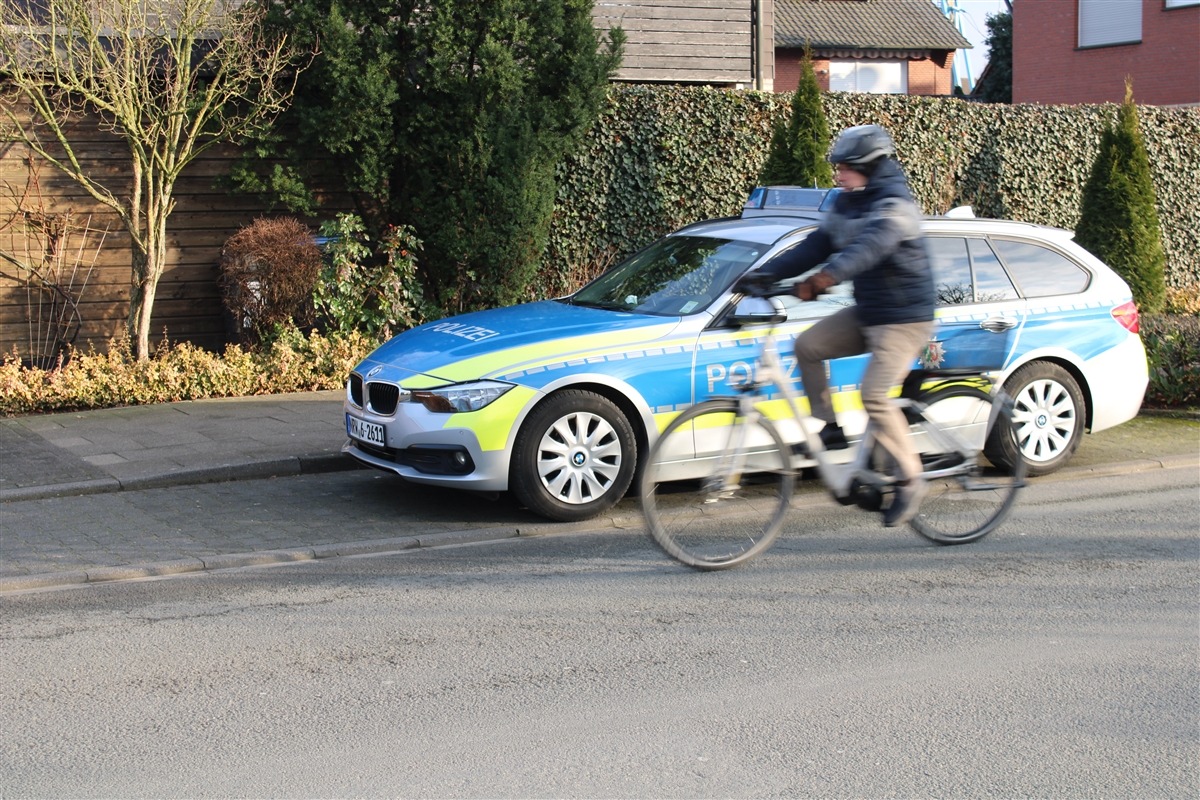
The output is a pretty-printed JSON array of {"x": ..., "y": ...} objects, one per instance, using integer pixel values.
[
  {"x": 813, "y": 286},
  {"x": 754, "y": 284}
]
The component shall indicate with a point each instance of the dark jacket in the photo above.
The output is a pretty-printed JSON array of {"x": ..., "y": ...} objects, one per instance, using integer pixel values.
[{"x": 873, "y": 238}]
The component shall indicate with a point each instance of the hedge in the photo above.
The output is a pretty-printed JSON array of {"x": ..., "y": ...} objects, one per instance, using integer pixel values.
[{"x": 661, "y": 157}]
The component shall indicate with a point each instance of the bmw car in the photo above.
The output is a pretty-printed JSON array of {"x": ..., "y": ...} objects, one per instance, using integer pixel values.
[{"x": 554, "y": 401}]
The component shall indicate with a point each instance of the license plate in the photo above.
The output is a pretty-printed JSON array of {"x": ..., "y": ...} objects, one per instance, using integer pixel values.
[{"x": 368, "y": 432}]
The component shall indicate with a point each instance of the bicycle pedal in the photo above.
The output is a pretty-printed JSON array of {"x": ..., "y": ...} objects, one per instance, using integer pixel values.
[{"x": 938, "y": 461}]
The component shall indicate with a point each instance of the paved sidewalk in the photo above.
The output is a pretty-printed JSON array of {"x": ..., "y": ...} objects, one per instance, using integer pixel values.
[
  {"x": 169, "y": 444},
  {"x": 172, "y": 444}
]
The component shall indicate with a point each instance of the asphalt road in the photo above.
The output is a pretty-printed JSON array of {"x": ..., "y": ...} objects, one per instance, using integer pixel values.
[{"x": 1056, "y": 658}]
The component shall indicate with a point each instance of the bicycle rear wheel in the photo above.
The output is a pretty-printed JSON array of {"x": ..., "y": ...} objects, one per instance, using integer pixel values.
[
  {"x": 971, "y": 498},
  {"x": 716, "y": 486}
]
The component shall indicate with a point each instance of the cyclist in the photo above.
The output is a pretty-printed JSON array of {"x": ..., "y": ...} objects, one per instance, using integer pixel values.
[{"x": 872, "y": 237}]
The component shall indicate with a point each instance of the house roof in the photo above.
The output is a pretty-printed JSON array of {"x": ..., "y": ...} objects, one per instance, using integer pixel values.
[{"x": 865, "y": 25}]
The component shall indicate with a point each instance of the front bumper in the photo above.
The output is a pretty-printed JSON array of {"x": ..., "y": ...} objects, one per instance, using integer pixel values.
[{"x": 466, "y": 450}]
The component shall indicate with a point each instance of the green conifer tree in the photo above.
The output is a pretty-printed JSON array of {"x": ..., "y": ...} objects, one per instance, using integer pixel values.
[
  {"x": 450, "y": 117},
  {"x": 799, "y": 145},
  {"x": 1118, "y": 218}
]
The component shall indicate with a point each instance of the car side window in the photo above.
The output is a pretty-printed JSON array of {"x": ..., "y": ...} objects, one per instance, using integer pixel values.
[
  {"x": 951, "y": 270},
  {"x": 991, "y": 281},
  {"x": 1040, "y": 271},
  {"x": 967, "y": 271},
  {"x": 837, "y": 298}
]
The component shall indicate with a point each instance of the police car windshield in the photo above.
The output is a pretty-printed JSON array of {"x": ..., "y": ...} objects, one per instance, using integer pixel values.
[{"x": 675, "y": 276}]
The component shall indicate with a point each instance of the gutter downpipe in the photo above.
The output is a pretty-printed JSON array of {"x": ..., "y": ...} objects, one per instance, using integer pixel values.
[{"x": 756, "y": 10}]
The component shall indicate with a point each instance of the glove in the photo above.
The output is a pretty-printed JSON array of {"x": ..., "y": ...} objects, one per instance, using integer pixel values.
[
  {"x": 755, "y": 284},
  {"x": 814, "y": 286}
]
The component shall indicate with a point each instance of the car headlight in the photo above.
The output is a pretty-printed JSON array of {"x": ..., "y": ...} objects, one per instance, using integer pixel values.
[{"x": 461, "y": 396}]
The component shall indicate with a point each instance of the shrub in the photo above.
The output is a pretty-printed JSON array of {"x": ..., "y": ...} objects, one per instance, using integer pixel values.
[
  {"x": 1185, "y": 300},
  {"x": 1173, "y": 350},
  {"x": 293, "y": 362},
  {"x": 375, "y": 293},
  {"x": 1118, "y": 220},
  {"x": 799, "y": 145},
  {"x": 665, "y": 156},
  {"x": 268, "y": 272}
]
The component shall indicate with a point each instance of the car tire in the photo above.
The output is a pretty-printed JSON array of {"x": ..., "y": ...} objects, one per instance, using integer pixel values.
[
  {"x": 574, "y": 456},
  {"x": 1049, "y": 416}
]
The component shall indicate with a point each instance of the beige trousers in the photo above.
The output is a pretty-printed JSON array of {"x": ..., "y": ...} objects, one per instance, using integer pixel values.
[{"x": 893, "y": 349}]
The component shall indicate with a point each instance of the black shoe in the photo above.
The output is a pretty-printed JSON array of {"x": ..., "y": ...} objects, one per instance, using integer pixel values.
[
  {"x": 906, "y": 502},
  {"x": 833, "y": 438}
]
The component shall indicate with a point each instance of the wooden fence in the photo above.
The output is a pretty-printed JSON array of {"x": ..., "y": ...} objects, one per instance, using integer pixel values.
[
  {"x": 50, "y": 227},
  {"x": 690, "y": 41}
]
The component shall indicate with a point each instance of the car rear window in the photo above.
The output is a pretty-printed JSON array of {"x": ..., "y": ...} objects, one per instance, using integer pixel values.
[{"x": 1040, "y": 271}]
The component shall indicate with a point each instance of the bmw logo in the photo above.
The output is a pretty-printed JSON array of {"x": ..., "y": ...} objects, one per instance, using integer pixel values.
[
  {"x": 578, "y": 459},
  {"x": 374, "y": 371}
]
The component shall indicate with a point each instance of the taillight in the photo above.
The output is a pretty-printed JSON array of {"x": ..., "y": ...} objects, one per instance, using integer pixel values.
[{"x": 1127, "y": 315}]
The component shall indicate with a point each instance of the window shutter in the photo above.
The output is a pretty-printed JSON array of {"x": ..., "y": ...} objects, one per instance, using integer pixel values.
[{"x": 1105, "y": 22}]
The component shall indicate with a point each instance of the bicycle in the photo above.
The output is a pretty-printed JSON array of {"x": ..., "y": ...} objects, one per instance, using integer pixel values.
[{"x": 718, "y": 482}]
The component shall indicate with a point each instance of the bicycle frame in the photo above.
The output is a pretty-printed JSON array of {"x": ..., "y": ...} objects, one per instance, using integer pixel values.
[{"x": 841, "y": 478}]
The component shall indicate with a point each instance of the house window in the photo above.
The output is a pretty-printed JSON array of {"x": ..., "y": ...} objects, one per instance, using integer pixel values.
[
  {"x": 1180, "y": 3},
  {"x": 874, "y": 77},
  {"x": 1108, "y": 22}
]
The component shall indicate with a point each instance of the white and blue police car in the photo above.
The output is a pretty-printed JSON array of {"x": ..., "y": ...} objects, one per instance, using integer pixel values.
[{"x": 555, "y": 400}]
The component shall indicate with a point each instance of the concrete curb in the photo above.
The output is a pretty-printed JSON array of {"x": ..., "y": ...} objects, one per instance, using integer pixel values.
[
  {"x": 282, "y": 467},
  {"x": 620, "y": 521},
  {"x": 260, "y": 558}
]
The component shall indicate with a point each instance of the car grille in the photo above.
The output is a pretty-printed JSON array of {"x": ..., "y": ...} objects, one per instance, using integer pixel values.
[
  {"x": 383, "y": 398},
  {"x": 432, "y": 460}
]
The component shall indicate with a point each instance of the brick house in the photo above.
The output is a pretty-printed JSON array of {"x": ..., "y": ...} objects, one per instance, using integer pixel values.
[
  {"x": 880, "y": 46},
  {"x": 1080, "y": 51}
]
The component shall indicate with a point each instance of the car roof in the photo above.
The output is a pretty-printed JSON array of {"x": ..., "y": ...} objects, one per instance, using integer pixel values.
[
  {"x": 763, "y": 227},
  {"x": 804, "y": 205},
  {"x": 760, "y": 230}
]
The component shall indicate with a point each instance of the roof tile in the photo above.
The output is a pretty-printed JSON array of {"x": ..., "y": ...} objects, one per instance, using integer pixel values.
[{"x": 865, "y": 24}]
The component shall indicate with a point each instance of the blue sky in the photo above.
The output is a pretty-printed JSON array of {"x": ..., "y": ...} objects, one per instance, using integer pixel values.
[{"x": 974, "y": 27}]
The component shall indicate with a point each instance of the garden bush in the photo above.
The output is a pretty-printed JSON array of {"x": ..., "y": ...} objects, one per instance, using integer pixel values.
[
  {"x": 292, "y": 362},
  {"x": 1173, "y": 350},
  {"x": 374, "y": 291},
  {"x": 268, "y": 271},
  {"x": 662, "y": 157}
]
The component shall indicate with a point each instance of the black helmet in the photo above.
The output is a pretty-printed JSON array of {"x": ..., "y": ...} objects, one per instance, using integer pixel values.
[{"x": 861, "y": 146}]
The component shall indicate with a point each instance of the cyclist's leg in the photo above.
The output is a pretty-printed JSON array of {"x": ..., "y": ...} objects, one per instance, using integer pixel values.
[
  {"x": 836, "y": 336},
  {"x": 893, "y": 350}
]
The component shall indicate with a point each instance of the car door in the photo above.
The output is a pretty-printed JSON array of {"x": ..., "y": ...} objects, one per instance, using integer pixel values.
[
  {"x": 725, "y": 357},
  {"x": 980, "y": 313}
]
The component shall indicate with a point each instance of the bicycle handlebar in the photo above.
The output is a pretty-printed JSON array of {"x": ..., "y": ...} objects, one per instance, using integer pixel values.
[{"x": 758, "y": 284}]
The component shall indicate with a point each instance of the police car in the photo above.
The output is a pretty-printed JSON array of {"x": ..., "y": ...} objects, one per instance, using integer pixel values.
[{"x": 555, "y": 400}]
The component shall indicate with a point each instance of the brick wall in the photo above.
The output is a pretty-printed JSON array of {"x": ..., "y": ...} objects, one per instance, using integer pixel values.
[{"x": 1049, "y": 68}]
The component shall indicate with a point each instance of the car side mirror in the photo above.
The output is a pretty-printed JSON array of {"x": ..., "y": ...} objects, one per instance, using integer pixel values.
[{"x": 757, "y": 311}]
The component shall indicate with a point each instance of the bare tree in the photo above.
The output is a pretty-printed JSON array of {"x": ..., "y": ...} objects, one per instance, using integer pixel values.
[{"x": 171, "y": 78}]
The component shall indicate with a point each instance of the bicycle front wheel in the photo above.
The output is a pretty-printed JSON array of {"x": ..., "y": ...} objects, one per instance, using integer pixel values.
[
  {"x": 969, "y": 499},
  {"x": 716, "y": 486}
]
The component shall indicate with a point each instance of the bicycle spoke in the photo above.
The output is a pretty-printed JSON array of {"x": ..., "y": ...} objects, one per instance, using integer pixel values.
[
  {"x": 974, "y": 499},
  {"x": 715, "y": 488}
]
